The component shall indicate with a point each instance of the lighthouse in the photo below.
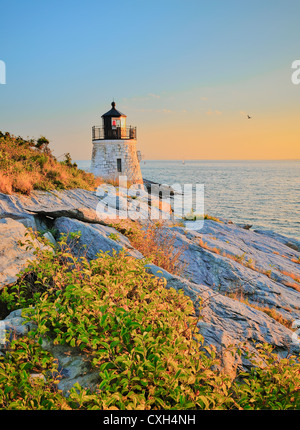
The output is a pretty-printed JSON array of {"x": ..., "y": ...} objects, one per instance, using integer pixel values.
[{"x": 114, "y": 148}]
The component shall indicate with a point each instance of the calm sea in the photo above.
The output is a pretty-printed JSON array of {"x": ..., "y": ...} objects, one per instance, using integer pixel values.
[{"x": 265, "y": 194}]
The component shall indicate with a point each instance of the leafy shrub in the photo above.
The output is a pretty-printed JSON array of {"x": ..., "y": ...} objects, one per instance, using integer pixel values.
[
  {"x": 22, "y": 381},
  {"x": 140, "y": 336},
  {"x": 272, "y": 383}
]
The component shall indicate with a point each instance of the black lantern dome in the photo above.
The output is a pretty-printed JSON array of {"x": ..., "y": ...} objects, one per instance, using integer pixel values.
[{"x": 113, "y": 112}]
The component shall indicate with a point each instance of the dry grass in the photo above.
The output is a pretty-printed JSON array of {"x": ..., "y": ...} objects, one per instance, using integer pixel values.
[
  {"x": 291, "y": 275},
  {"x": 24, "y": 182},
  {"x": 292, "y": 285},
  {"x": 273, "y": 314},
  {"x": 192, "y": 216},
  {"x": 154, "y": 241},
  {"x": 213, "y": 218},
  {"x": 116, "y": 183},
  {"x": 295, "y": 260},
  {"x": 5, "y": 184},
  {"x": 26, "y": 165},
  {"x": 296, "y": 284},
  {"x": 238, "y": 258},
  {"x": 209, "y": 248}
]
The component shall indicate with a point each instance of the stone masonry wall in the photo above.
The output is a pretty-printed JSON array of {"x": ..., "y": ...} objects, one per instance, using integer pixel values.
[{"x": 105, "y": 155}]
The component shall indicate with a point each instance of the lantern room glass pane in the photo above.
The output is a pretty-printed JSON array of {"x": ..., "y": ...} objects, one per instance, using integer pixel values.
[
  {"x": 115, "y": 122},
  {"x": 123, "y": 122}
]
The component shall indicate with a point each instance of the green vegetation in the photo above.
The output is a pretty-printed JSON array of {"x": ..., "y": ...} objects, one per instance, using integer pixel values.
[
  {"x": 192, "y": 216},
  {"x": 114, "y": 236},
  {"x": 18, "y": 388},
  {"x": 26, "y": 165},
  {"x": 140, "y": 337}
]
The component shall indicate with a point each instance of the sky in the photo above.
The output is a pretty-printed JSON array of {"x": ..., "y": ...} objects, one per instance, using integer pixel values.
[{"x": 185, "y": 72}]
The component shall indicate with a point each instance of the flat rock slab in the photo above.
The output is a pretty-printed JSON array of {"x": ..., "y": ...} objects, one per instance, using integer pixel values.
[
  {"x": 48, "y": 201},
  {"x": 287, "y": 241},
  {"x": 83, "y": 205},
  {"x": 82, "y": 214},
  {"x": 239, "y": 262}
]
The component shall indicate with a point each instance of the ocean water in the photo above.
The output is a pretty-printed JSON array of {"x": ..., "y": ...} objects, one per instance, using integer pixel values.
[{"x": 265, "y": 194}]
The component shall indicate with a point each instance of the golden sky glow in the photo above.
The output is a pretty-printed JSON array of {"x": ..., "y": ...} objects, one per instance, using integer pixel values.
[{"x": 225, "y": 137}]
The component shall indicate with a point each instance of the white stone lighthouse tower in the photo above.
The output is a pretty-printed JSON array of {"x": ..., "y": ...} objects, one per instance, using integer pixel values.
[{"x": 114, "y": 148}]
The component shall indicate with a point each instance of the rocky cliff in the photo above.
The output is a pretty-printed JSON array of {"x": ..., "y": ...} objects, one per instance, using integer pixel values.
[{"x": 245, "y": 284}]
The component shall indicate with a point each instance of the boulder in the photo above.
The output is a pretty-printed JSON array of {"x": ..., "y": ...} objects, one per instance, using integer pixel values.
[
  {"x": 94, "y": 238},
  {"x": 73, "y": 367},
  {"x": 13, "y": 326},
  {"x": 87, "y": 206},
  {"x": 49, "y": 236},
  {"x": 13, "y": 256}
]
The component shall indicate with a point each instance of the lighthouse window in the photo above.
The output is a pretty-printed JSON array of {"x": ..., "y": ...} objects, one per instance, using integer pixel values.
[
  {"x": 119, "y": 164},
  {"x": 115, "y": 122}
]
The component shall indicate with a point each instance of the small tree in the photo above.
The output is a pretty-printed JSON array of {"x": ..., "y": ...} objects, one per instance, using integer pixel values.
[
  {"x": 42, "y": 144},
  {"x": 68, "y": 160}
]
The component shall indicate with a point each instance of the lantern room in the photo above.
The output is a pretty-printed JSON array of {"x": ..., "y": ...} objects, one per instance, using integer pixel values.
[{"x": 114, "y": 126}]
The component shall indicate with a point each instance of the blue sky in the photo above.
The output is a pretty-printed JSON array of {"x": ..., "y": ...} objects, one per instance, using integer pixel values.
[{"x": 201, "y": 64}]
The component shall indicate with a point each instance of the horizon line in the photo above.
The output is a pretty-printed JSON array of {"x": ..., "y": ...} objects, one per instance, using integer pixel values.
[{"x": 210, "y": 159}]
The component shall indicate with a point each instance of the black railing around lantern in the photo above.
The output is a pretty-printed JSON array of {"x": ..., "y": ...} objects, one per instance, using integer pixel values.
[{"x": 99, "y": 133}]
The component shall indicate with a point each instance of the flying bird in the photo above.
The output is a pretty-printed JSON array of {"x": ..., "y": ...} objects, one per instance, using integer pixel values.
[{"x": 249, "y": 117}]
